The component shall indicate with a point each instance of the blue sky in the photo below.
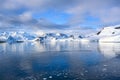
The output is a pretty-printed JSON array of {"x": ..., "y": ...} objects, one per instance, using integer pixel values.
[
  {"x": 53, "y": 16},
  {"x": 58, "y": 14}
]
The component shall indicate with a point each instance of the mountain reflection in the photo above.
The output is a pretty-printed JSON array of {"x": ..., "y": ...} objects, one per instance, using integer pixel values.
[
  {"x": 109, "y": 50},
  {"x": 59, "y": 60}
]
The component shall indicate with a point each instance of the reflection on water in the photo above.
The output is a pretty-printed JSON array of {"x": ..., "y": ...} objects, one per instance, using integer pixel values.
[
  {"x": 110, "y": 50},
  {"x": 59, "y": 61}
]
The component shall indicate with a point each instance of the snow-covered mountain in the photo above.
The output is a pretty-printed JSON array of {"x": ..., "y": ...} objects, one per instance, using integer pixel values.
[
  {"x": 59, "y": 37},
  {"x": 53, "y": 36},
  {"x": 17, "y": 37},
  {"x": 110, "y": 31},
  {"x": 110, "y": 34},
  {"x": 107, "y": 34},
  {"x": 24, "y": 36}
]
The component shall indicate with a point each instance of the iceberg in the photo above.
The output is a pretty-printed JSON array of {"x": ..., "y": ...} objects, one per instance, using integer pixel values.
[
  {"x": 17, "y": 38},
  {"x": 3, "y": 39}
]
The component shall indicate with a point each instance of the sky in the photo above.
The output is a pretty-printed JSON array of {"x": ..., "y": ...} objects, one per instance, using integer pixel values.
[{"x": 58, "y": 14}]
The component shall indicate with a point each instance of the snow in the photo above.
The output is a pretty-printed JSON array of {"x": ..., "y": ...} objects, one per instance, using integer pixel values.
[
  {"x": 110, "y": 34},
  {"x": 109, "y": 31},
  {"x": 29, "y": 36},
  {"x": 85, "y": 40},
  {"x": 17, "y": 36},
  {"x": 54, "y": 37},
  {"x": 107, "y": 34},
  {"x": 3, "y": 39},
  {"x": 110, "y": 39},
  {"x": 24, "y": 36}
]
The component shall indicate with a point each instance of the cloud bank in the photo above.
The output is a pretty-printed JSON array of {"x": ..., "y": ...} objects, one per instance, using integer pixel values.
[{"x": 20, "y": 13}]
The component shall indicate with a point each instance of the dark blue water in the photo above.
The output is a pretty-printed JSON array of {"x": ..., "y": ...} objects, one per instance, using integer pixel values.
[{"x": 59, "y": 61}]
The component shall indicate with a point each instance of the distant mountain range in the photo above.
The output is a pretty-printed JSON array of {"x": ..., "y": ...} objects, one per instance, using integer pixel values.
[{"x": 107, "y": 34}]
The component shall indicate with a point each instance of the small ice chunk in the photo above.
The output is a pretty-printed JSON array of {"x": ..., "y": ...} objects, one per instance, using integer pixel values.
[
  {"x": 104, "y": 65},
  {"x": 44, "y": 78},
  {"x": 104, "y": 69},
  {"x": 50, "y": 76}
]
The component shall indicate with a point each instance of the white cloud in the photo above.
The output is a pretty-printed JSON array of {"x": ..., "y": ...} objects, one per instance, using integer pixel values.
[
  {"x": 107, "y": 11},
  {"x": 25, "y": 16},
  {"x": 110, "y": 15}
]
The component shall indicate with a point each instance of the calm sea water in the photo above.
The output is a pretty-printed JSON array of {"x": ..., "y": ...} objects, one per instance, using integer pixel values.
[{"x": 59, "y": 61}]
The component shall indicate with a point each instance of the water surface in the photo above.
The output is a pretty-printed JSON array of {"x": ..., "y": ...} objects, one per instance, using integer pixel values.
[{"x": 59, "y": 61}]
